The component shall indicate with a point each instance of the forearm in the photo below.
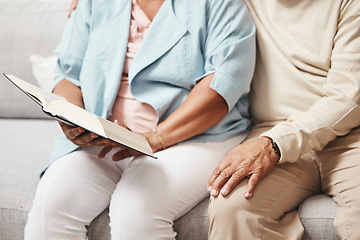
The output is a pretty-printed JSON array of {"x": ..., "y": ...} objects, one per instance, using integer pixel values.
[
  {"x": 202, "y": 109},
  {"x": 70, "y": 91}
]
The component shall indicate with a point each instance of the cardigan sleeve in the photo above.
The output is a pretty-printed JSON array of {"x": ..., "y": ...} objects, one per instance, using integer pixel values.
[
  {"x": 73, "y": 45},
  {"x": 229, "y": 49}
]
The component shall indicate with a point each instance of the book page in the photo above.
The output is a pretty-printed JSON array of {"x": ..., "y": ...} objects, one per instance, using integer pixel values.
[
  {"x": 100, "y": 126},
  {"x": 37, "y": 94},
  {"x": 126, "y": 137},
  {"x": 76, "y": 115}
]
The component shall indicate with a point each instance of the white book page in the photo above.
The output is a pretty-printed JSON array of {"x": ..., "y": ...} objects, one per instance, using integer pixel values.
[
  {"x": 100, "y": 126},
  {"x": 76, "y": 115},
  {"x": 39, "y": 95},
  {"x": 126, "y": 137}
]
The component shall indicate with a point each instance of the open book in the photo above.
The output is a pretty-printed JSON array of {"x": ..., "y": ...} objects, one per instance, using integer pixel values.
[{"x": 60, "y": 109}]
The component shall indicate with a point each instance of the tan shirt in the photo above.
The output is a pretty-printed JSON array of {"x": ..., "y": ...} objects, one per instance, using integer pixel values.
[{"x": 308, "y": 71}]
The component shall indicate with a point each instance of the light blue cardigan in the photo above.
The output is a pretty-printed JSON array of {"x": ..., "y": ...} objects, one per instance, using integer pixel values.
[{"x": 187, "y": 40}]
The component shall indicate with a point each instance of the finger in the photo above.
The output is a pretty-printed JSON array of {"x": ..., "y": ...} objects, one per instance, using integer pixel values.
[
  {"x": 105, "y": 150},
  {"x": 73, "y": 133},
  {"x": 72, "y": 7},
  {"x": 103, "y": 142},
  {"x": 117, "y": 122},
  {"x": 69, "y": 13},
  {"x": 221, "y": 167},
  {"x": 74, "y": 4},
  {"x": 70, "y": 132},
  {"x": 123, "y": 153},
  {"x": 213, "y": 177},
  {"x": 86, "y": 138},
  {"x": 220, "y": 181},
  {"x": 64, "y": 127},
  {"x": 253, "y": 181},
  {"x": 235, "y": 179}
]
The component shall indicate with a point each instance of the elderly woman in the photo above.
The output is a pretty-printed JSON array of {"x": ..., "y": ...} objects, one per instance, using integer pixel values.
[{"x": 177, "y": 72}]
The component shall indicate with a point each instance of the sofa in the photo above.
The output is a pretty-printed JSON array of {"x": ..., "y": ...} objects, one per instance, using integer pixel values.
[{"x": 30, "y": 30}]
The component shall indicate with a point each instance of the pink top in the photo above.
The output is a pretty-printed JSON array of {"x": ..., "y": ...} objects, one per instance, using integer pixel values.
[{"x": 138, "y": 116}]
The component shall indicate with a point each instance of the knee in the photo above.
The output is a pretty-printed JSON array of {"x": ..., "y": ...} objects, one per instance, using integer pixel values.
[
  {"x": 138, "y": 219},
  {"x": 49, "y": 200},
  {"x": 225, "y": 208},
  {"x": 232, "y": 206},
  {"x": 239, "y": 211},
  {"x": 233, "y": 217},
  {"x": 51, "y": 217}
]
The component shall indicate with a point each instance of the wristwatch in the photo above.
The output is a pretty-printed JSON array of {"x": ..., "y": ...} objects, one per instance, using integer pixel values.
[{"x": 275, "y": 147}]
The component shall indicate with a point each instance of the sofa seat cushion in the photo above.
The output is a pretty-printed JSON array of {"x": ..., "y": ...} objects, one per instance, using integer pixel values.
[
  {"x": 25, "y": 149},
  {"x": 317, "y": 216}
]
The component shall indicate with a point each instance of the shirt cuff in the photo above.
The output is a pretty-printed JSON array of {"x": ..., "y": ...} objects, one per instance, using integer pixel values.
[{"x": 286, "y": 138}]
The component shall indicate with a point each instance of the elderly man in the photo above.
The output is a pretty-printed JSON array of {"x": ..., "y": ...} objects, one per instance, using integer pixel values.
[{"x": 305, "y": 103}]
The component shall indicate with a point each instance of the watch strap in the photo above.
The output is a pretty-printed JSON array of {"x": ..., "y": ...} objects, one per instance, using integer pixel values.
[{"x": 275, "y": 147}]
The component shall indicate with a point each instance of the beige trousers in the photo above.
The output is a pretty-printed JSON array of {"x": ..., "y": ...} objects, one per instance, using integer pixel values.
[{"x": 271, "y": 212}]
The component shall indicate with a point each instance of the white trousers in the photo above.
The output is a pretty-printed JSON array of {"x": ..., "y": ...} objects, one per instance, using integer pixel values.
[{"x": 145, "y": 195}]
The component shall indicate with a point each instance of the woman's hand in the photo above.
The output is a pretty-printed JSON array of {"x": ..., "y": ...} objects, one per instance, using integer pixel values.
[
  {"x": 81, "y": 137},
  {"x": 77, "y": 135},
  {"x": 153, "y": 137},
  {"x": 253, "y": 159},
  {"x": 72, "y": 7}
]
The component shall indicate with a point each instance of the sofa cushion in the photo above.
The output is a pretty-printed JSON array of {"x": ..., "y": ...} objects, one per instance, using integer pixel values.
[
  {"x": 27, "y": 28},
  {"x": 25, "y": 151},
  {"x": 317, "y": 216}
]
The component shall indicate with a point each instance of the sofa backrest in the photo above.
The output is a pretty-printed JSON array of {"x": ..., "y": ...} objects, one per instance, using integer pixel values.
[{"x": 27, "y": 27}]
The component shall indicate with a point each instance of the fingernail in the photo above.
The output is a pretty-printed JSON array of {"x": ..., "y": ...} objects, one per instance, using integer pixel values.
[
  {"x": 247, "y": 195},
  {"x": 209, "y": 188},
  {"x": 214, "y": 192},
  {"x": 223, "y": 191}
]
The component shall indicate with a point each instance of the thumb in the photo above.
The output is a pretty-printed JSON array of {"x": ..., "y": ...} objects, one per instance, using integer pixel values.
[{"x": 117, "y": 122}]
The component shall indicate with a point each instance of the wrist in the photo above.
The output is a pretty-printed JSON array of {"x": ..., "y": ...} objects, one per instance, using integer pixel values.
[
  {"x": 159, "y": 139},
  {"x": 155, "y": 140},
  {"x": 275, "y": 148}
]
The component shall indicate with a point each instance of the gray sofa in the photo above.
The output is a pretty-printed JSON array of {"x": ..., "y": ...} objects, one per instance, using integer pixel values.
[{"x": 30, "y": 30}]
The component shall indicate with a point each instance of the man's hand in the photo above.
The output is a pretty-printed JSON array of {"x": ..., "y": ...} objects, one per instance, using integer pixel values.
[{"x": 253, "y": 159}]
